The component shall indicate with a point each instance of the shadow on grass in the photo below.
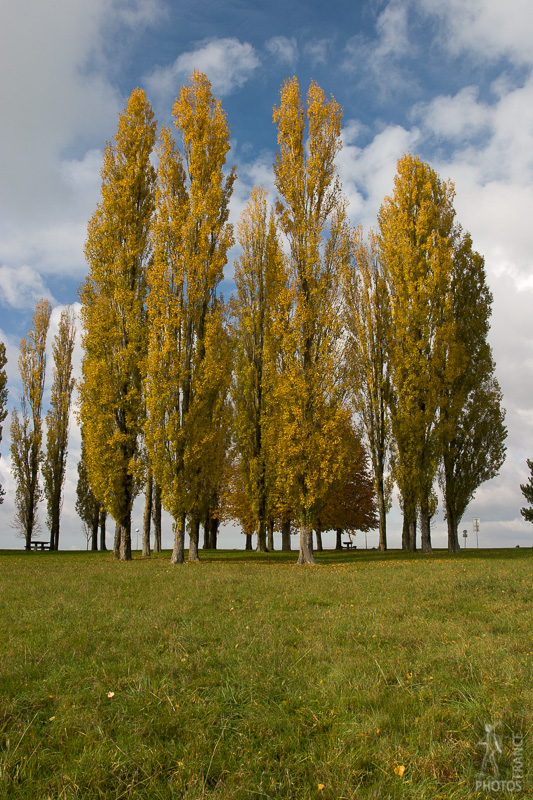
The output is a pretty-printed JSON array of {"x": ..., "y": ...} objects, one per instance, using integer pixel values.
[{"x": 278, "y": 557}]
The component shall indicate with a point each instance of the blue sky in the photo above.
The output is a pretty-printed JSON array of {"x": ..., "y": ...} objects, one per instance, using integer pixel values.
[{"x": 451, "y": 80}]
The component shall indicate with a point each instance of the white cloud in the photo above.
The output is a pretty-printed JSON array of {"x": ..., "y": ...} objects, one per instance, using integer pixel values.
[
  {"x": 486, "y": 29},
  {"x": 283, "y": 49},
  {"x": 137, "y": 13},
  {"x": 367, "y": 173},
  {"x": 317, "y": 50},
  {"x": 378, "y": 59},
  {"x": 22, "y": 287},
  {"x": 228, "y": 63},
  {"x": 459, "y": 117}
]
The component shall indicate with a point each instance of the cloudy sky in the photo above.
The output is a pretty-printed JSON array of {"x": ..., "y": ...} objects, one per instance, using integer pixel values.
[{"x": 449, "y": 80}]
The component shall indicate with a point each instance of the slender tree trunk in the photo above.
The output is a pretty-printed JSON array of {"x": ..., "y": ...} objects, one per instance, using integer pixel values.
[
  {"x": 157, "y": 518},
  {"x": 125, "y": 541},
  {"x": 94, "y": 531},
  {"x": 412, "y": 534},
  {"x": 286, "y": 536},
  {"x": 248, "y": 545},
  {"x": 305, "y": 555},
  {"x": 102, "y": 521},
  {"x": 405, "y": 533},
  {"x": 338, "y": 542},
  {"x": 453, "y": 538},
  {"x": 206, "y": 545},
  {"x": 147, "y": 514},
  {"x": 270, "y": 535},
  {"x": 382, "y": 511},
  {"x": 178, "y": 552},
  {"x": 194, "y": 531},
  {"x": 116, "y": 544},
  {"x": 318, "y": 533},
  {"x": 425, "y": 532},
  {"x": 213, "y": 533},
  {"x": 261, "y": 546}
]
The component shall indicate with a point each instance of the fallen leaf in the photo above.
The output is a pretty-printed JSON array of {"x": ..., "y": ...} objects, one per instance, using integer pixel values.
[
  {"x": 399, "y": 770},
  {"x": 111, "y": 694}
]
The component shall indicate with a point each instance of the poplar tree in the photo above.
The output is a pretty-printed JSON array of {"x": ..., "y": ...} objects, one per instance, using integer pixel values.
[
  {"x": 57, "y": 422},
  {"x": 113, "y": 298},
  {"x": 527, "y": 491},
  {"x": 26, "y": 430},
  {"x": 87, "y": 506},
  {"x": 3, "y": 399},
  {"x": 416, "y": 241},
  {"x": 368, "y": 333},
  {"x": 189, "y": 361},
  {"x": 311, "y": 216},
  {"x": 471, "y": 419},
  {"x": 257, "y": 277}
]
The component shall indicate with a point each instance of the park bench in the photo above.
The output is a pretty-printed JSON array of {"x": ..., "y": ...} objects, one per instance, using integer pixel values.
[
  {"x": 349, "y": 545},
  {"x": 37, "y": 545}
]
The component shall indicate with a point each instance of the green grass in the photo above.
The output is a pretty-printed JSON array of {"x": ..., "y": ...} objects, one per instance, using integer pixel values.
[{"x": 245, "y": 676}]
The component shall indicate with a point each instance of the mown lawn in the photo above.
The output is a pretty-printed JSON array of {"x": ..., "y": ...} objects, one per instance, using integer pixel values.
[{"x": 245, "y": 676}]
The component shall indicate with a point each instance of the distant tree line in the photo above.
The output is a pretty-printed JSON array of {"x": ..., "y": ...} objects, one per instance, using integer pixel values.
[{"x": 341, "y": 366}]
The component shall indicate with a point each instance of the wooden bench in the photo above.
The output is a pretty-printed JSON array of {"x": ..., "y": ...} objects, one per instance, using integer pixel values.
[
  {"x": 349, "y": 545},
  {"x": 35, "y": 545}
]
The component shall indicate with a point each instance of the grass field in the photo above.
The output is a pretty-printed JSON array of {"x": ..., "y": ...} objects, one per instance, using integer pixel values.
[{"x": 244, "y": 676}]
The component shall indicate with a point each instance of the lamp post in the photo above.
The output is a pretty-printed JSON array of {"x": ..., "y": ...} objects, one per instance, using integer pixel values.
[
  {"x": 137, "y": 532},
  {"x": 475, "y": 526},
  {"x": 465, "y": 534}
]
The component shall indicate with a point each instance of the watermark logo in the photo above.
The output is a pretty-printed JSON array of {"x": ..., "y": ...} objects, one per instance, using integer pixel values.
[{"x": 489, "y": 778}]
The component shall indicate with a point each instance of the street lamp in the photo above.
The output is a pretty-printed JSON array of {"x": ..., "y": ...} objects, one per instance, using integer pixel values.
[
  {"x": 137, "y": 532},
  {"x": 465, "y": 534}
]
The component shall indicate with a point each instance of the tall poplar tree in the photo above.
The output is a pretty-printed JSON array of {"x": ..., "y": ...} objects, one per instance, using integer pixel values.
[
  {"x": 26, "y": 431},
  {"x": 257, "y": 277},
  {"x": 87, "y": 505},
  {"x": 527, "y": 491},
  {"x": 311, "y": 215},
  {"x": 189, "y": 361},
  {"x": 3, "y": 399},
  {"x": 368, "y": 333},
  {"x": 113, "y": 298},
  {"x": 57, "y": 421},
  {"x": 471, "y": 422},
  {"x": 416, "y": 241}
]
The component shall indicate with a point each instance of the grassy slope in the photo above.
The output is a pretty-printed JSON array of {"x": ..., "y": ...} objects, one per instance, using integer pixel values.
[{"x": 246, "y": 676}]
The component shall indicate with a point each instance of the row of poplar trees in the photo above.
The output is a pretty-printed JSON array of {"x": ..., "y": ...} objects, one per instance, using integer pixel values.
[
  {"x": 35, "y": 454},
  {"x": 261, "y": 405}
]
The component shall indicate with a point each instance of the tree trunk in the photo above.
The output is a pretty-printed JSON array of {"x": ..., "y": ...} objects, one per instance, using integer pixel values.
[
  {"x": 248, "y": 545},
  {"x": 157, "y": 518},
  {"x": 206, "y": 545},
  {"x": 338, "y": 542},
  {"x": 318, "y": 533},
  {"x": 178, "y": 552},
  {"x": 194, "y": 530},
  {"x": 102, "y": 520},
  {"x": 382, "y": 511},
  {"x": 261, "y": 546},
  {"x": 94, "y": 532},
  {"x": 286, "y": 536},
  {"x": 125, "y": 540},
  {"x": 425, "y": 532},
  {"x": 305, "y": 556},
  {"x": 147, "y": 514},
  {"x": 412, "y": 535},
  {"x": 453, "y": 538},
  {"x": 270, "y": 535},
  {"x": 405, "y": 533},
  {"x": 213, "y": 533},
  {"x": 116, "y": 544}
]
